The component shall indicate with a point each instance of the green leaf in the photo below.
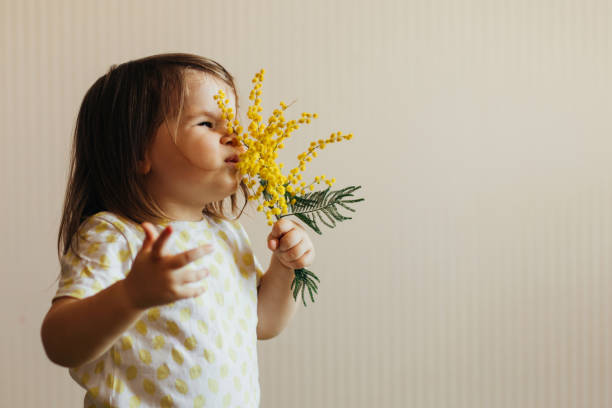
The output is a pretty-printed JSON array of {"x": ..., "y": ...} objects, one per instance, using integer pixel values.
[
  {"x": 322, "y": 205},
  {"x": 304, "y": 279},
  {"x": 306, "y": 220}
]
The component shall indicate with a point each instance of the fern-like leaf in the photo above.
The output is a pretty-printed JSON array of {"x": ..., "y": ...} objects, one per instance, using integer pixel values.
[{"x": 322, "y": 205}]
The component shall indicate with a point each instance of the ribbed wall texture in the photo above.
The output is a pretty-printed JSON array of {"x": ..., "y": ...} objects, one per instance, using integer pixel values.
[{"x": 478, "y": 272}]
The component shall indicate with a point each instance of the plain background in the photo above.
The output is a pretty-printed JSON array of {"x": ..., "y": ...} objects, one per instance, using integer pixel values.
[{"x": 477, "y": 273}]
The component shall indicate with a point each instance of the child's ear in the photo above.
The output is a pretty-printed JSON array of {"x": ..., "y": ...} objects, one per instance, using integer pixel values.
[{"x": 144, "y": 165}]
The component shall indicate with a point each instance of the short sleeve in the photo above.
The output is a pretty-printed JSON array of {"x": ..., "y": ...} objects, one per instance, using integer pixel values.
[
  {"x": 250, "y": 254},
  {"x": 98, "y": 257},
  {"x": 258, "y": 270}
]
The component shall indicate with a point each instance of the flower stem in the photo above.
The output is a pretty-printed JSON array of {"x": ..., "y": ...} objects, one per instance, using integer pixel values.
[{"x": 303, "y": 278}]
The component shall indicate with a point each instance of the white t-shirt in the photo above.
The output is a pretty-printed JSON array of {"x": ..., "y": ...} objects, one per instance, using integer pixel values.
[{"x": 191, "y": 353}]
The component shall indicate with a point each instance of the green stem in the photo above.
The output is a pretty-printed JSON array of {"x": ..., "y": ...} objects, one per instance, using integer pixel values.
[{"x": 303, "y": 278}]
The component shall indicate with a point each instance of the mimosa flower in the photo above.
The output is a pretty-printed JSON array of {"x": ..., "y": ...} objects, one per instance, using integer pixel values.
[{"x": 283, "y": 195}]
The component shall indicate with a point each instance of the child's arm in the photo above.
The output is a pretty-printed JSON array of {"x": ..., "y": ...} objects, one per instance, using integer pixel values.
[
  {"x": 275, "y": 304},
  {"x": 75, "y": 331}
]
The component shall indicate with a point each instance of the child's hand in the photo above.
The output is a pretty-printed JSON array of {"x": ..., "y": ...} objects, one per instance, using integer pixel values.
[
  {"x": 291, "y": 244},
  {"x": 154, "y": 279}
]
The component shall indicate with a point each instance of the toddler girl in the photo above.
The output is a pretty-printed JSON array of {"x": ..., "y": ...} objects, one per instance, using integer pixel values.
[{"x": 161, "y": 299}]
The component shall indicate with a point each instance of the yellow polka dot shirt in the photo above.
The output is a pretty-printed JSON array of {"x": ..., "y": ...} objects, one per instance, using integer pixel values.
[{"x": 198, "y": 352}]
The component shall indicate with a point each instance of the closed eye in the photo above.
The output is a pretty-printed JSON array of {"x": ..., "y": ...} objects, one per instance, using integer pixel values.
[{"x": 209, "y": 124}]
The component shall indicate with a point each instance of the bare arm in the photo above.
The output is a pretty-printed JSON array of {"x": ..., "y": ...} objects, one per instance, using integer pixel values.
[
  {"x": 77, "y": 331},
  {"x": 275, "y": 304}
]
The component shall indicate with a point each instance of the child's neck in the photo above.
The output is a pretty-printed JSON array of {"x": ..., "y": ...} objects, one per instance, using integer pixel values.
[{"x": 181, "y": 213}]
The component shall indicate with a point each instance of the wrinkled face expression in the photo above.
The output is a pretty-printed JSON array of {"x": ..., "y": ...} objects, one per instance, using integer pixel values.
[{"x": 194, "y": 167}]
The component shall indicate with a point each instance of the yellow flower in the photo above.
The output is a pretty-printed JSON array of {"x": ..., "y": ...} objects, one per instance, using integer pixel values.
[{"x": 257, "y": 165}]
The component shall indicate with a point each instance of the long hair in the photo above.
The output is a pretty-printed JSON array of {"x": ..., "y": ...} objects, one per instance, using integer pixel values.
[{"x": 115, "y": 126}]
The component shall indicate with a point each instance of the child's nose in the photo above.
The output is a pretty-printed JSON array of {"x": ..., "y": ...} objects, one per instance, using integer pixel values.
[
  {"x": 241, "y": 147},
  {"x": 233, "y": 141}
]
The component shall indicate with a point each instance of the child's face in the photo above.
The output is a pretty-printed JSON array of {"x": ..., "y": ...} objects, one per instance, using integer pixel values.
[{"x": 194, "y": 171}]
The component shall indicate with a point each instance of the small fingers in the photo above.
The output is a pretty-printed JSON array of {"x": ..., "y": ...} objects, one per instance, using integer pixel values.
[
  {"x": 295, "y": 253},
  {"x": 184, "y": 258},
  {"x": 273, "y": 244},
  {"x": 150, "y": 235},
  {"x": 290, "y": 240},
  {"x": 192, "y": 291},
  {"x": 304, "y": 260},
  {"x": 191, "y": 276},
  {"x": 160, "y": 242},
  {"x": 195, "y": 292}
]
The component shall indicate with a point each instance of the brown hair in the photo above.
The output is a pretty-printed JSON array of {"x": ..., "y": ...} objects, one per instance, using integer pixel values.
[{"x": 116, "y": 124}]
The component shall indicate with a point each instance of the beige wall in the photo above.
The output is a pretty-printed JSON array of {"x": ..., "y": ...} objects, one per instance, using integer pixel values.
[{"x": 478, "y": 271}]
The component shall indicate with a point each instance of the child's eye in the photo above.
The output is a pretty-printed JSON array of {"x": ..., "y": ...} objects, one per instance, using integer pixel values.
[{"x": 209, "y": 124}]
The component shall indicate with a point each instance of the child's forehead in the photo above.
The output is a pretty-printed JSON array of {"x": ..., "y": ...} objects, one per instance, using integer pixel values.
[{"x": 201, "y": 87}]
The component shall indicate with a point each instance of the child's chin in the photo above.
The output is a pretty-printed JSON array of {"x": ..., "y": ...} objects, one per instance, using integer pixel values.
[{"x": 234, "y": 188}]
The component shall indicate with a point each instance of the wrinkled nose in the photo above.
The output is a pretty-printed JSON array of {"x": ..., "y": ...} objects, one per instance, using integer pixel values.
[
  {"x": 241, "y": 147},
  {"x": 232, "y": 140}
]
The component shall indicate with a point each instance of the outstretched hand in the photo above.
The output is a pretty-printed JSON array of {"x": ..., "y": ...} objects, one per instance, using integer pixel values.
[{"x": 155, "y": 278}]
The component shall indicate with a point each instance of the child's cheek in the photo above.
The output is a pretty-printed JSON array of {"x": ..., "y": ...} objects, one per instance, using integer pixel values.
[{"x": 199, "y": 151}]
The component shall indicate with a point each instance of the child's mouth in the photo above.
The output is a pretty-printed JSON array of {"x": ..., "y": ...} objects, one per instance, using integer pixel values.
[{"x": 232, "y": 160}]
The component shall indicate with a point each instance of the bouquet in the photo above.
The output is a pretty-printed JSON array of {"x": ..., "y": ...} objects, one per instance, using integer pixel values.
[{"x": 285, "y": 195}]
